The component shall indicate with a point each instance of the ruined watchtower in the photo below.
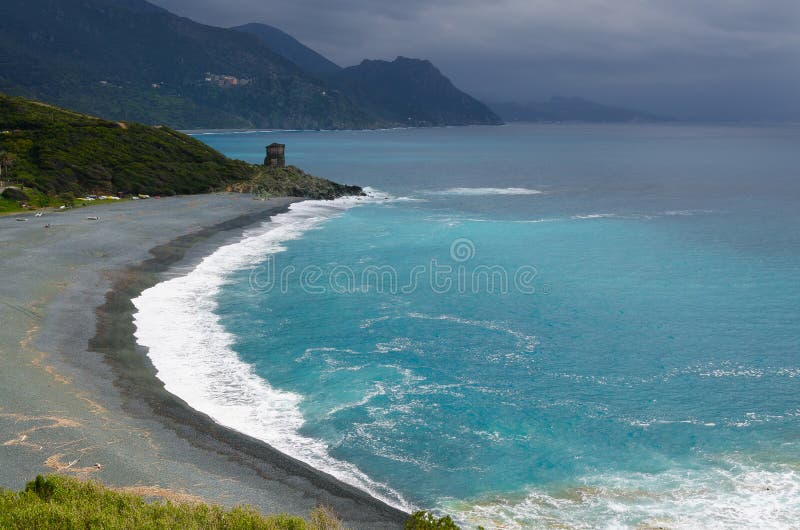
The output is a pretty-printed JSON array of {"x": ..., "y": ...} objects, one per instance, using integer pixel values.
[{"x": 276, "y": 155}]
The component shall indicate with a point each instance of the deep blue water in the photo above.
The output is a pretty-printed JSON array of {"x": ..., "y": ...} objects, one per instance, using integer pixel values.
[{"x": 645, "y": 371}]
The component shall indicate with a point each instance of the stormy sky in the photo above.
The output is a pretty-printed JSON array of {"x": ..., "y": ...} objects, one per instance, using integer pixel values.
[{"x": 690, "y": 59}]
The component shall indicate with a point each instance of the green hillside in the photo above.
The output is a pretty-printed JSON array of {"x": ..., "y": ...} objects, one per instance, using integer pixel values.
[
  {"x": 56, "y": 151},
  {"x": 130, "y": 60},
  {"x": 133, "y": 61}
]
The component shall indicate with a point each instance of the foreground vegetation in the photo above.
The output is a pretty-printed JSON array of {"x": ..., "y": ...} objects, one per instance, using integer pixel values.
[
  {"x": 59, "y": 155},
  {"x": 17, "y": 200},
  {"x": 58, "y": 502}
]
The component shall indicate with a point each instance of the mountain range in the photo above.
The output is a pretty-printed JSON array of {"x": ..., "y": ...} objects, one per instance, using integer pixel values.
[
  {"x": 409, "y": 92},
  {"x": 132, "y": 60}
]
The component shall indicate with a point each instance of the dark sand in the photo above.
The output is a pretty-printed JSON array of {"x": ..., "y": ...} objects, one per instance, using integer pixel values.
[{"x": 76, "y": 390}]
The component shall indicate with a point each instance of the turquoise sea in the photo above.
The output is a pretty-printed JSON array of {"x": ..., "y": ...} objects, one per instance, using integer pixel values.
[{"x": 525, "y": 326}]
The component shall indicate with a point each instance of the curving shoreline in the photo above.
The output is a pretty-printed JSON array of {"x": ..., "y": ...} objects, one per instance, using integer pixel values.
[
  {"x": 197, "y": 361},
  {"x": 136, "y": 378},
  {"x": 140, "y": 432}
]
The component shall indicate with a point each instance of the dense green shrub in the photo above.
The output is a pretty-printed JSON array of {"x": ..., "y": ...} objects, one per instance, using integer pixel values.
[
  {"x": 14, "y": 194},
  {"x": 42, "y": 487},
  {"x": 423, "y": 520}
]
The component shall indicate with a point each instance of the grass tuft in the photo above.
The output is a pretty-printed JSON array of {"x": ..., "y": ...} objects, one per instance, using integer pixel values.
[{"x": 57, "y": 502}]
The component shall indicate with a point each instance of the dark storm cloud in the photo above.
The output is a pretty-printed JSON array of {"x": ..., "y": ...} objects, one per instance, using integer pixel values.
[{"x": 713, "y": 59}]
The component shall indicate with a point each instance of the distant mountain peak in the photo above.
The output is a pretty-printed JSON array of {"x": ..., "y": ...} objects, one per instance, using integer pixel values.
[
  {"x": 411, "y": 91},
  {"x": 400, "y": 60},
  {"x": 405, "y": 90}
]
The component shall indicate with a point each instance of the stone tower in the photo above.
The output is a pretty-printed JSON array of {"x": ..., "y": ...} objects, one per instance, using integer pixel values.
[{"x": 276, "y": 155}]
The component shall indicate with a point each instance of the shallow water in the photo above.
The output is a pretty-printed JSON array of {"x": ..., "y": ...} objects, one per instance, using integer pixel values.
[{"x": 527, "y": 326}]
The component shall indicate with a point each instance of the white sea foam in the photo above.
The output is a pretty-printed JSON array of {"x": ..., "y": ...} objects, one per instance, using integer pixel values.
[
  {"x": 226, "y": 132},
  {"x": 641, "y": 216},
  {"x": 193, "y": 354},
  {"x": 726, "y": 369},
  {"x": 309, "y": 352},
  {"x": 540, "y": 220},
  {"x": 686, "y": 213},
  {"x": 453, "y": 220},
  {"x": 377, "y": 390},
  {"x": 653, "y": 421},
  {"x": 368, "y": 323},
  {"x": 398, "y": 344},
  {"x": 731, "y": 494},
  {"x": 487, "y": 191},
  {"x": 595, "y": 216},
  {"x": 526, "y": 342}
]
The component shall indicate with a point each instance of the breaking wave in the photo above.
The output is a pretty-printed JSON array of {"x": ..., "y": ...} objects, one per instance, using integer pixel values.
[{"x": 193, "y": 354}]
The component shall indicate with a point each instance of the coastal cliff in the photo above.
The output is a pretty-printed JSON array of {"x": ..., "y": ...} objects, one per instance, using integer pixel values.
[
  {"x": 61, "y": 154},
  {"x": 291, "y": 181}
]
